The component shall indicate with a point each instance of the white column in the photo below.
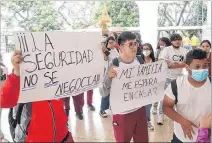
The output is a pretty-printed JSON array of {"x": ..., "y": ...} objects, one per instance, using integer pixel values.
[
  {"x": 148, "y": 11},
  {"x": 206, "y": 33}
]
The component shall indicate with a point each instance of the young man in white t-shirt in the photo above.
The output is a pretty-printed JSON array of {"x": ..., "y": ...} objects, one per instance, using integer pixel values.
[
  {"x": 191, "y": 98},
  {"x": 175, "y": 57},
  {"x": 131, "y": 124}
]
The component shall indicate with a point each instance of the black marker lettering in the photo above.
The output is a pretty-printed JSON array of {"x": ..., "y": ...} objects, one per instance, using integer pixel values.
[{"x": 47, "y": 42}]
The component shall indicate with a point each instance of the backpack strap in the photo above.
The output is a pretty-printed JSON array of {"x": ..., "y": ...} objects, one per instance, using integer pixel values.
[
  {"x": 19, "y": 112},
  {"x": 174, "y": 90},
  {"x": 116, "y": 62},
  {"x": 140, "y": 59},
  {"x": 17, "y": 119}
]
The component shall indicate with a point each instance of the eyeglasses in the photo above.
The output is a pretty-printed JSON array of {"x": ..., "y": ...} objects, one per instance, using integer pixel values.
[{"x": 132, "y": 45}]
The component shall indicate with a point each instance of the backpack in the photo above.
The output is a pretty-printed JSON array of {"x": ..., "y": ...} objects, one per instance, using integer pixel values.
[
  {"x": 19, "y": 119},
  {"x": 174, "y": 89},
  {"x": 140, "y": 59}
]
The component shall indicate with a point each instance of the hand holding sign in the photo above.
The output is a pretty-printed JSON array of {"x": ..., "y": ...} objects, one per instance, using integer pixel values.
[
  {"x": 16, "y": 60},
  {"x": 112, "y": 73}
]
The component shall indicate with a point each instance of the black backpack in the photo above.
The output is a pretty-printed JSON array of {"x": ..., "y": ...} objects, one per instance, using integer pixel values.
[
  {"x": 174, "y": 89},
  {"x": 139, "y": 58},
  {"x": 19, "y": 119}
]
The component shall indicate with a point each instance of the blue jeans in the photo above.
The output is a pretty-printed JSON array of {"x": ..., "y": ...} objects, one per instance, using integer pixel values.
[
  {"x": 148, "y": 108},
  {"x": 105, "y": 103},
  {"x": 160, "y": 112}
]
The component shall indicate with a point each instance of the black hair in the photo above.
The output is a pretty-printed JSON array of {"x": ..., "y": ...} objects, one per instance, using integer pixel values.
[
  {"x": 124, "y": 36},
  {"x": 106, "y": 35},
  {"x": 152, "y": 56},
  {"x": 175, "y": 36},
  {"x": 116, "y": 36},
  {"x": 108, "y": 39},
  {"x": 206, "y": 41},
  {"x": 195, "y": 54},
  {"x": 139, "y": 48},
  {"x": 165, "y": 40},
  {"x": 138, "y": 36}
]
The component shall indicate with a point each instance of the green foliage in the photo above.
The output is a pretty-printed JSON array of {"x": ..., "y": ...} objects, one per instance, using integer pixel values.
[
  {"x": 122, "y": 13},
  {"x": 32, "y": 15}
]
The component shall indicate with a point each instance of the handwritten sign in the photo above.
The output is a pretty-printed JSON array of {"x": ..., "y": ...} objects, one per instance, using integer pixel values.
[
  {"x": 59, "y": 64},
  {"x": 137, "y": 86}
]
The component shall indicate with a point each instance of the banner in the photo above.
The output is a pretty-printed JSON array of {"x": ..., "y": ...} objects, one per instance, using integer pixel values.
[
  {"x": 59, "y": 64},
  {"x": 137, "y": 86}
]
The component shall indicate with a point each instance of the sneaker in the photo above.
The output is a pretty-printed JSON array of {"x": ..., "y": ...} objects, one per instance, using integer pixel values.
[
  {"x": 92, "y": 108},
  {"x": 154, "y": 111},
  {"x": 79, "y": 116},
  {"x": 150, "y": 126},
  {"x": 81, "y": 111},
  {"x": 160, "y": 120},
  {"x": 103, "y": 114}
]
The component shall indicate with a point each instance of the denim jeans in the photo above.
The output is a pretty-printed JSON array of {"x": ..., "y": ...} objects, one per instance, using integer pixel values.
[
  {"x": 1, "y": 134},
  {"x": 148, "y": 108},
  {"x": 105, "y": 103},
  {"x": 160, "y": 112}
]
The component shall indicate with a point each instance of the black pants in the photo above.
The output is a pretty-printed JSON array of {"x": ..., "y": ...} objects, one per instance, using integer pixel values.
[{"x": 175, "y": 140}]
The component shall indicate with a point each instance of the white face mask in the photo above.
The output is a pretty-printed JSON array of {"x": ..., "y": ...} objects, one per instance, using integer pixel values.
[
  {"x": 162, "y": 47},
  {"x": 146, "y": 53}
]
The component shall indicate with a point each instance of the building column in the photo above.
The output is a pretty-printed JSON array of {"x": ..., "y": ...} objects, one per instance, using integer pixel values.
[
  {"x": 148, "y": 13},
  {"x": 206, "y": 33}
]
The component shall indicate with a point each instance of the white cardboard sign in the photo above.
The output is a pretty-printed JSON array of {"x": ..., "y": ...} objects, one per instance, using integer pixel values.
[
  {"x": 59, "y": 64},
  {"x": 137, "y": 86}
]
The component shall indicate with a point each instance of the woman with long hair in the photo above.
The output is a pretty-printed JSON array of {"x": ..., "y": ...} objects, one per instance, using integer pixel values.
[
  {"x": 162, "y": 43},
  {"x": 206, "y": 46},
  {"x": 149, "y": 58},
  {"x": 110, "y": 52},
  {"x": 115, "y": 36}
]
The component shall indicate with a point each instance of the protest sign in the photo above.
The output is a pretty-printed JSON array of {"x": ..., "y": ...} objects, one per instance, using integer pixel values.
[
  {"x": 59, "y": 64},
  {"x": 137, "y": 86}
]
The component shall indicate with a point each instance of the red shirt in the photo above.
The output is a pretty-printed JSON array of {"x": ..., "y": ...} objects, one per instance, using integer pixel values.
[{"x": 41, "y": 125}]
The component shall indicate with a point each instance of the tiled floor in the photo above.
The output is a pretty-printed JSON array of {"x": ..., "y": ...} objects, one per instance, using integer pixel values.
[{"x": 96, "y": 129}]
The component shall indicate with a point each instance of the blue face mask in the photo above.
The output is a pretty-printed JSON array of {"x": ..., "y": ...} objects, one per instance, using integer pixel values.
[{"x": 199, "y": 75}]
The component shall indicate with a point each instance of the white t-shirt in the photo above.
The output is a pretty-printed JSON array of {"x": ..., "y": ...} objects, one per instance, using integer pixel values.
[
  {"x": 121, "y": 64},
  {"x": 193, "y": 103},
  {"x": 174, "y": 55}
]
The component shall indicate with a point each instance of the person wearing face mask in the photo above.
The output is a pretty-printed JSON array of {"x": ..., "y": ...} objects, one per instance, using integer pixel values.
[
  {"x": 149, "y": 58},
  {"x": 115, "y": 36},
  {"x": 188, "y": 98},
  {"x": 163, "y": 42},
  {"x": 110, "y": 52},
  {"x": 206, "y": 46},
  {"x": 174, "y": 55}
]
